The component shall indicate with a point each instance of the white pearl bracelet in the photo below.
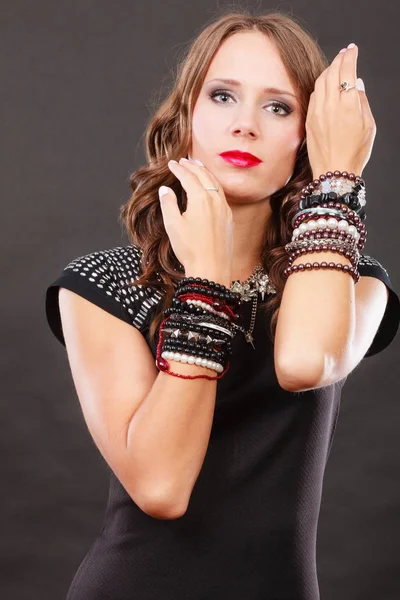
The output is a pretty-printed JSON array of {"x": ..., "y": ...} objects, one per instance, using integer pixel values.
[
  {"x": 193, "y": 360},
  {"x": 207, "y": 307},
  {"x": 325, "y": 224}
]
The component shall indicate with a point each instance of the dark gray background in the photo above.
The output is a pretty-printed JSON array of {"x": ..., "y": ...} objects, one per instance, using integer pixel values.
[{"x": 78, "y": 81}]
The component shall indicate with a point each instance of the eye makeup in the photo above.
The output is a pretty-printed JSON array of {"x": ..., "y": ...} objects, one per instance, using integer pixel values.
[{"x": 274, "y": 103}]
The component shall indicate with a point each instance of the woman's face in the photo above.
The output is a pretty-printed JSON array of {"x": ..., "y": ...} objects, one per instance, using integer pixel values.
[{"x": 245, "y": 116}]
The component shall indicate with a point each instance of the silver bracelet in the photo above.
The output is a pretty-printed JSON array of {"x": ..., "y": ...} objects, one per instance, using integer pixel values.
[
  {"x": 196, "y": 320},
  {"x": 298, "y": 244},
  {"x": 333, "y": 212}
]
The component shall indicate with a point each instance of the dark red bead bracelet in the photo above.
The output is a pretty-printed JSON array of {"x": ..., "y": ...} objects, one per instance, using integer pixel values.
[
  {"x": 352, "y": 255},
  {"x": 322, "y": 265}
]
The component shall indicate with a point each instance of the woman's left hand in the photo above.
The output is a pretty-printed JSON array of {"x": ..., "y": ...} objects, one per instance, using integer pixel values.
[{"x": 340, "y": 126}]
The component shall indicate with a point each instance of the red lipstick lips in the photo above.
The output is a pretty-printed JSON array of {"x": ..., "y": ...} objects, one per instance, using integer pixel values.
[{"x": 240, "y": 159}]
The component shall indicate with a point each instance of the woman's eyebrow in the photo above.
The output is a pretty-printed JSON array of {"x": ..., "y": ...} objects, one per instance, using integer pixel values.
[{"x": 267, "y": 90}]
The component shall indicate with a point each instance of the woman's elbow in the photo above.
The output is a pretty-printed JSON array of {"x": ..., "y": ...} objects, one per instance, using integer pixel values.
[{"x": 296, "y": 375}]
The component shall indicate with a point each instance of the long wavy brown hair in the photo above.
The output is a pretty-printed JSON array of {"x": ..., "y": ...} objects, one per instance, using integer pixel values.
[{"x": 168, "y": 136}]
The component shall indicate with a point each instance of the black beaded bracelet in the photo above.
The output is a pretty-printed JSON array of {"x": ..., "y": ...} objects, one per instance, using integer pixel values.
[
  {"x": 175, "y": 345},
  {"x": 349, "y": 199},
  {"x": 220, "y": 338},
  {"x": 208, "y": 287}
]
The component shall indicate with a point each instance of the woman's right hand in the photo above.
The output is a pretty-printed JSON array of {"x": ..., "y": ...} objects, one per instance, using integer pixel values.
[{"x": 202, "y": 236}]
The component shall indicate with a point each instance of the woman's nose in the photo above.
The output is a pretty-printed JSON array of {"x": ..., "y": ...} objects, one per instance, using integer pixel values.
[{"x": 245, "y": 123}]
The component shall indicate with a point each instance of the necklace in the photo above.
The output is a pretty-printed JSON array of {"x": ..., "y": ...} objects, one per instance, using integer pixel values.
[{"x": 258, "y": 282}]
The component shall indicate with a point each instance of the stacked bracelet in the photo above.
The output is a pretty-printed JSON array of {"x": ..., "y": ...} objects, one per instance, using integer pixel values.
[
  {"x": 332, "y": 186},
  {"x": 197, "y": 329},
  {"x": 301, "y": 247},
  {"x": 351, "y": 221},
  {"x": 330, "y": 215},
  {"x": 327, "y": 225}
]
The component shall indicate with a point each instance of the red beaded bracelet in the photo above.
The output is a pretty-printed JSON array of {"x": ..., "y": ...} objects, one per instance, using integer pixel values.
[{"x": 218, "y": 305}]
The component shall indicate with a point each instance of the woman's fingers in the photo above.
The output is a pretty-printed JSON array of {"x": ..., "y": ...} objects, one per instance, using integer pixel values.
[
  {"x": 169, "y": 207},
  {"x": 204, "y": 232},
  {"x": 194, "y": 179},
  {"x": 189, "y": 178},
  {"x": 348, "y": 72},
  {"x": 333, "y": 78},
  {"x": 342, "y": 68},
  {"x": 368, "y": 117},
  {"x": 320, "y": 92},
  {"x": 205, "y": 177}
]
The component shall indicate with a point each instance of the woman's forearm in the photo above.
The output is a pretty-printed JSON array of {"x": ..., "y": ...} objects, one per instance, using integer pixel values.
[{"x": 316, "y": 322}]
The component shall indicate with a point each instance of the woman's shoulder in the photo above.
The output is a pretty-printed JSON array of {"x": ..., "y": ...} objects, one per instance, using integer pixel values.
[
  {"x": 124, "y": 260},
  {"x": 104, "y": 277},
  {"x": 112, "y": 271},
  {"x": 370, "y": 266}
]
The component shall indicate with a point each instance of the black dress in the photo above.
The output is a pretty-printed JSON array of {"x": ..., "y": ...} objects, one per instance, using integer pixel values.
[{"x": 249, "y": 532}]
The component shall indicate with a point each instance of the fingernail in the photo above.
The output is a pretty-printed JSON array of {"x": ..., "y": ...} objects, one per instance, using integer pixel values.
[
  {"x": 360, "y": 84},
  {"x": 184, "y": 159},
  {"x": 343, "y": 50},
  {"x": 173, "y": 161},
  {"x": 198, "y": 162},
  {"x": 163, "y": 190},
  {"x": 351, "y": 45}
]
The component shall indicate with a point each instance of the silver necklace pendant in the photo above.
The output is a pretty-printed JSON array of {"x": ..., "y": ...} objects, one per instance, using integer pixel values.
[
  {"x": 258, "y": 282},
  {"x": 248, "y": 334},
  {"x": 249, "y": 338}
]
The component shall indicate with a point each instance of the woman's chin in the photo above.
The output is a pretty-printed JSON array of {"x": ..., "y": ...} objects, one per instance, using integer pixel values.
[{"x": 235, "y": 197}]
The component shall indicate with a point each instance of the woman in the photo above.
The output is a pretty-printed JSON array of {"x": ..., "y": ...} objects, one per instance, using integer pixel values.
[{"x": 215, "y": 416}]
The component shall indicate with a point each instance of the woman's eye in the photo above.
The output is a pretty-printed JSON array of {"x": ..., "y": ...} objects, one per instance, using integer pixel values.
[
  {"x": 284, "y": 108},
  {"x": 287, "y": 110},
  {"x": 215, "y": 94}
]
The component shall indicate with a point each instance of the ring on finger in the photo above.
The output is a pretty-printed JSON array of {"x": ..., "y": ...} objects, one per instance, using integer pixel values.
[{"x": 345, "y": 86}]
